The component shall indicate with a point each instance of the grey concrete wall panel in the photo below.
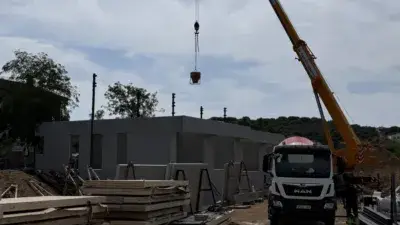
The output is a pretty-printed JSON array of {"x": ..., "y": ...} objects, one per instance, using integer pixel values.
[
  {"x": 256, "y": 180},
  {"x": 142, "y": 171},
  {"x": 56, "y": 147},
  {"x": 251, "y": 155},
  {"x": 230, "y": 182},
  {"x": 218, "y": 178},
  {"x": 150, "y": 141},
  {"x": 192, "y": 171},
  {"x": 149, "y": 149},
  {"x": 212, "y": 127},
  {"x": 99, "y": 173},
  {"x": 122, "y": 148},
  {"x": 224, "y": 151},
  {"x": 238, "y": 150},
  {"x": 190, "y": 148}
]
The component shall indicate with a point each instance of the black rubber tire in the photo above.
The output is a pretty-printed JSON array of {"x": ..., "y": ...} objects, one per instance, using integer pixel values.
[
  {"x": 274, "y": 221},
  {"x": 329, "y": 221}
]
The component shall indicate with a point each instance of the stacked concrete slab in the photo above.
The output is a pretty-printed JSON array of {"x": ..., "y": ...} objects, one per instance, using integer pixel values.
[
  {"x": 49, "y": 210},
  {"x": 147, "y": 202},
  {"x": 191, "y": 172}
]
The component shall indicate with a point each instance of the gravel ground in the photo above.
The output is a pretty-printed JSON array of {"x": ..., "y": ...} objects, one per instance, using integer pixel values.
[{"x": 258, "y": 215}]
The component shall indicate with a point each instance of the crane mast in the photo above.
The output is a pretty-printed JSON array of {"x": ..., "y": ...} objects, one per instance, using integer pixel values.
[{"x": 321, "y": 88}]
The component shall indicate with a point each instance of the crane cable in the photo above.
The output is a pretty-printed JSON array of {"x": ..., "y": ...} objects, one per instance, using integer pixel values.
[{"x": 196, "y": 33}]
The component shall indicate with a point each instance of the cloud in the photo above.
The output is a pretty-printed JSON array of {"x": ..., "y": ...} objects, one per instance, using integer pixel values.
[{"x": 246, "y": 58}]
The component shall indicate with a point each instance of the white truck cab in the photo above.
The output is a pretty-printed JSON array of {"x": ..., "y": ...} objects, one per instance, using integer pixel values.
[{"x": 302, "y": 186}]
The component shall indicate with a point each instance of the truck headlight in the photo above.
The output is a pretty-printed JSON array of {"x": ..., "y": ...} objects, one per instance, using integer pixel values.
[
  {"x": 329, "y": 205},
  {"x": 277, "y": 203}
]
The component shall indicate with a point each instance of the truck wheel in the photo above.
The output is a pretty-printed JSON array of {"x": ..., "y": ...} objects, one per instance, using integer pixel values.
[
  {"x": 329, "y": 221},
  {"x": 274, "y": 221}
]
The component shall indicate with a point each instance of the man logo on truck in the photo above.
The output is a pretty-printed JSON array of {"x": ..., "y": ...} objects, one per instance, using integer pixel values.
[{"x": 302, "y": 191}]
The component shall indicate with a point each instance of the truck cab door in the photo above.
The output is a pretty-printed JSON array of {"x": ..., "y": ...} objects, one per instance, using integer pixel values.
[{"x": 267, "y": 163}]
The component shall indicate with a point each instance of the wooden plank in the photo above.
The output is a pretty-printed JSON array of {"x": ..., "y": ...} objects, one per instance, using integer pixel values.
[
  {"x": 146, "y": 208},
  {"x": 145, "y": 199},
  {"x": 134, "y": 183},
  {"x": 133, "y": 192},
  {"x": 44, "y": 202},
  {"x": 162, "y": 220},
  {"x": 49, "y": 214},
  {"x": 142, "y": 215}
]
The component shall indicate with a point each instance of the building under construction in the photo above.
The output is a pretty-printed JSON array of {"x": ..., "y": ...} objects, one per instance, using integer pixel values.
[{"x": 159, "y": 140}]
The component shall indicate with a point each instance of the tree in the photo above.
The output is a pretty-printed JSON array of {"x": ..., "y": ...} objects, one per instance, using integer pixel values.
[
  {"x": 39, "y": 70},
  {"x": 98, "y": 115},
  {"x": 312, "y": 128},
  {"x": 123, "y": 101}
]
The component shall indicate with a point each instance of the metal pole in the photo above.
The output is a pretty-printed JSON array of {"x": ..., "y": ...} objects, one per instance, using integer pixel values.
[
  {"x": 92, "y": 117},
  {"x": 138, "y": 96},
  {"x": 201, "y": 112},
  {"x": 173, "y": 104},
  {"x": 224, "y": 113},
  {"x": 393, "y": 206}
]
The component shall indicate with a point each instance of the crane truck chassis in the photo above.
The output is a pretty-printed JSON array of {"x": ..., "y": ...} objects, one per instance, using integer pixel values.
[{"x": 302, "y": 187}]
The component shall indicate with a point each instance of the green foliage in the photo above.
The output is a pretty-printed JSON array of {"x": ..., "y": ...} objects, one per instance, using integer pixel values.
[
  {"x": 123, "y": 101},
  {"x": 37, "y": 90},
  {"x": 393, "y": 146},
  {"x": 98, "y": 115},
  {"x": 312, "y": 129},
  {"x": 41, "y": 71}
]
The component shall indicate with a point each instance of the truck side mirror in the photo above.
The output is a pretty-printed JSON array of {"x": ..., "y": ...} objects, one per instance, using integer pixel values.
[{"x": 266, "y": 165}]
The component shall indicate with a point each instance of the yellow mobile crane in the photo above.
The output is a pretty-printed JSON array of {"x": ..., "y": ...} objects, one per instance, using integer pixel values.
[{"x": 354, "y": 152}]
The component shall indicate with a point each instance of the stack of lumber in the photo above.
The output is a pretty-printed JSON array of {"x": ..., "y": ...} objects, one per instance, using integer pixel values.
[
  {"x": 50, "y": 210},
  {"x": 141, "y": 202}
]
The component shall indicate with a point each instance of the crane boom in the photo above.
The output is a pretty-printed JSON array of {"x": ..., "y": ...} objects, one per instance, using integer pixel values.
[{"x": 320, "y": 86}]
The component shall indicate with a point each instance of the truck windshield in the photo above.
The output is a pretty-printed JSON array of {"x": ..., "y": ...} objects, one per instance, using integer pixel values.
[{"x": 302, "y": 163}]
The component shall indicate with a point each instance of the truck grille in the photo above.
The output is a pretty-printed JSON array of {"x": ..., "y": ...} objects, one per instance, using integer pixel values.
[{"x": 296, "y": 190}]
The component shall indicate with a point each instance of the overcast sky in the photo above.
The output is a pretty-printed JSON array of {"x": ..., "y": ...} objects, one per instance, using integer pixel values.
[{"x": 246, "y": 59}]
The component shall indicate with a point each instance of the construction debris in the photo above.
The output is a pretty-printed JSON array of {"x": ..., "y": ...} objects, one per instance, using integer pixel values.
[
  {"x": 141, "y": 201},
  {"x": 11, "y": 192},
  {"x": 14, "y": 183},
  {"x": 206, "y": 218},
  {"x": 60, "y": 210}
]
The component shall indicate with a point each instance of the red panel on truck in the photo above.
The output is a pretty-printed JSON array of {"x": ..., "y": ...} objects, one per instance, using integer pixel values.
[{"x": 296, "y": 140}]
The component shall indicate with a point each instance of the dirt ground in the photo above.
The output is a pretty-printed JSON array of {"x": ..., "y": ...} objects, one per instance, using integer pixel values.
[
  {"x": 258, "y": 215},
  {"x": 22, "y": 180}
]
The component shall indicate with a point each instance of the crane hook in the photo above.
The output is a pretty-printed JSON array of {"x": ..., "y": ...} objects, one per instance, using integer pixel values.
[{"x": 196, "y": 26}]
